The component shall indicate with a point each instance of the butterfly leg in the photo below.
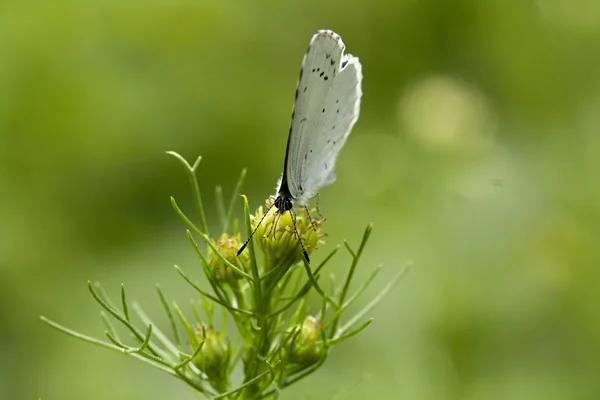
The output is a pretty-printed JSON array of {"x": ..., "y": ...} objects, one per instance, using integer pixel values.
[
  {"x": 317, "y": 207},
  {"x": 293, "y": 214},
  {"x": 309, "y": 218},
  {"x": 273, "y": 224}
]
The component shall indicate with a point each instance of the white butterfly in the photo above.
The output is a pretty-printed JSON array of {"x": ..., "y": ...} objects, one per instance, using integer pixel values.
[{"x": 326, "y": 107}]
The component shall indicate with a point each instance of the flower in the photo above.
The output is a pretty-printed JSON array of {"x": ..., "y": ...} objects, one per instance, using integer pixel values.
[
  {"x": 307, "y": 347},
  {"x": 227, "y": 245},
  {"x": 278, "y": 240}
]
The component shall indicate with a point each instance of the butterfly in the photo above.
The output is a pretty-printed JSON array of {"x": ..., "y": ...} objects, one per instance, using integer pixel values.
[{"x": 326, "y": 107}]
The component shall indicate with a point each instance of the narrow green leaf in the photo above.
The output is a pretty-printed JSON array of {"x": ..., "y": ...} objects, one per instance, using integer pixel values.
[
  {"x": 355, "y": 259},
  {"x": 253, "y": 264},
  {"x": 183, "y": 217},
  {"x": 187, "y": 359},
  {"x": 213, "y": 298},
  {"x": 109, "y": 326},
  {"x": 234, "y": 196},
  {"x": 316, "y": 285},
  {"x": 121, "y": 319},
  {"x": 157, "y": 333},
  {"x": 354, "y": 296},
  {"x": 145, "y": 343},
  {"x": 101, "y": 343},
  {"x": 220, "y": 203},
  {"x": 191, "y": 172},
  {"x": 186, "y": 325},
  {"x": 348, "y": 335},
  {"x": 375, "y": 301},
  {"x": 167, "y": 309},
  {"x": 243, "y": 386},
  {"x": 212, "y": 280},
  {"x": 124, "y": 302}
]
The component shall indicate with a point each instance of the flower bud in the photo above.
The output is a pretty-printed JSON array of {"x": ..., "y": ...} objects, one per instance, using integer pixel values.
[
  {"x": 214, "y": 356},
  {"x": 228, "y": 246},
  {"x": 307, "y": 348}
]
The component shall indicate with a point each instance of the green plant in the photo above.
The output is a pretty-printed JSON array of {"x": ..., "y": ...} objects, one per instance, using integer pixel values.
[{"x": 279, "y": 340}]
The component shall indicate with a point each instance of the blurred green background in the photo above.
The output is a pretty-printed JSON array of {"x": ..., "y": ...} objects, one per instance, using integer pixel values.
[{"x": 476, "y": 156}]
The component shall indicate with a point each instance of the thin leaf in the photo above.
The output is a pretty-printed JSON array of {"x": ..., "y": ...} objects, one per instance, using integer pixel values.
[
  {"x": 109, "y": 326},
  {"x": 187, "y": 359},
  {"x": 213, "y": 298},
  {"x": 316, "y": 285},
  {"x": 191, "y": 172},
  {"x": 183, "y": 217},
  {"x": 156, "y": 332},
  {"x": 253, "y": 265},
  {"x": 354, "y": 296},
  {"x": 236, "y": 192},
  {"x": 243, "y": 386},
  {"x": 104, "y": 296},
  {"x": 106, "y": 345},
  {"x": 124, "y": 302},
  {"x": 119, "y": 317},
  {"x": 355, "y": 259},
  {"x": 220, "y": 203},
  {"x": 375, "y": 301},
  {"x": 170, "y": 316},
  {"x": 145, "y": 343},
  {"x": 219, "y": 292},
  {"x": 348, "y": 335}
]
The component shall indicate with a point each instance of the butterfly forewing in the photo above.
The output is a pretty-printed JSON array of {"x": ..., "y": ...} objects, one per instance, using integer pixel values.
[{"x": 325, "y": 110}]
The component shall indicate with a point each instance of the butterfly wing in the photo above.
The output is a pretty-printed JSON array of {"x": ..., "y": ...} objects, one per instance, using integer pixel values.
[{"x": 326, "y": 107}]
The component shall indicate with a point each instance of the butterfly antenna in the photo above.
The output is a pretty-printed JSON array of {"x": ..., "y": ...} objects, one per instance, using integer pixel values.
[
  {"x": 293, "y": 214},
  {"x": 254, "y": 231}
]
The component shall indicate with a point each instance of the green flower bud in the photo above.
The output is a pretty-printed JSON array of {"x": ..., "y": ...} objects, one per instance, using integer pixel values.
[
  {"x": 307, "y": 349},
  {"x": 279, "y": 242},
  {"x": 228, "y": 246},
  {"x": 214, "y": 357}
]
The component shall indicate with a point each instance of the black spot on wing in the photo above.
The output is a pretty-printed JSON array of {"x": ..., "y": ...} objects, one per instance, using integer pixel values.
[
  {"x": 325, "y": 78},
  {"x": 304, "y": 90},
  {"x": 344, "y": 64},
  {"x": 322, "y": 73},
  {"x": 331, "y": 61},
  {"x": 323, "y": 110}
]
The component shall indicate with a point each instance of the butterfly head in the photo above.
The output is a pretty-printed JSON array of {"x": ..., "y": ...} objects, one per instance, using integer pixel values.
[{"x": 283, "y": 203}]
